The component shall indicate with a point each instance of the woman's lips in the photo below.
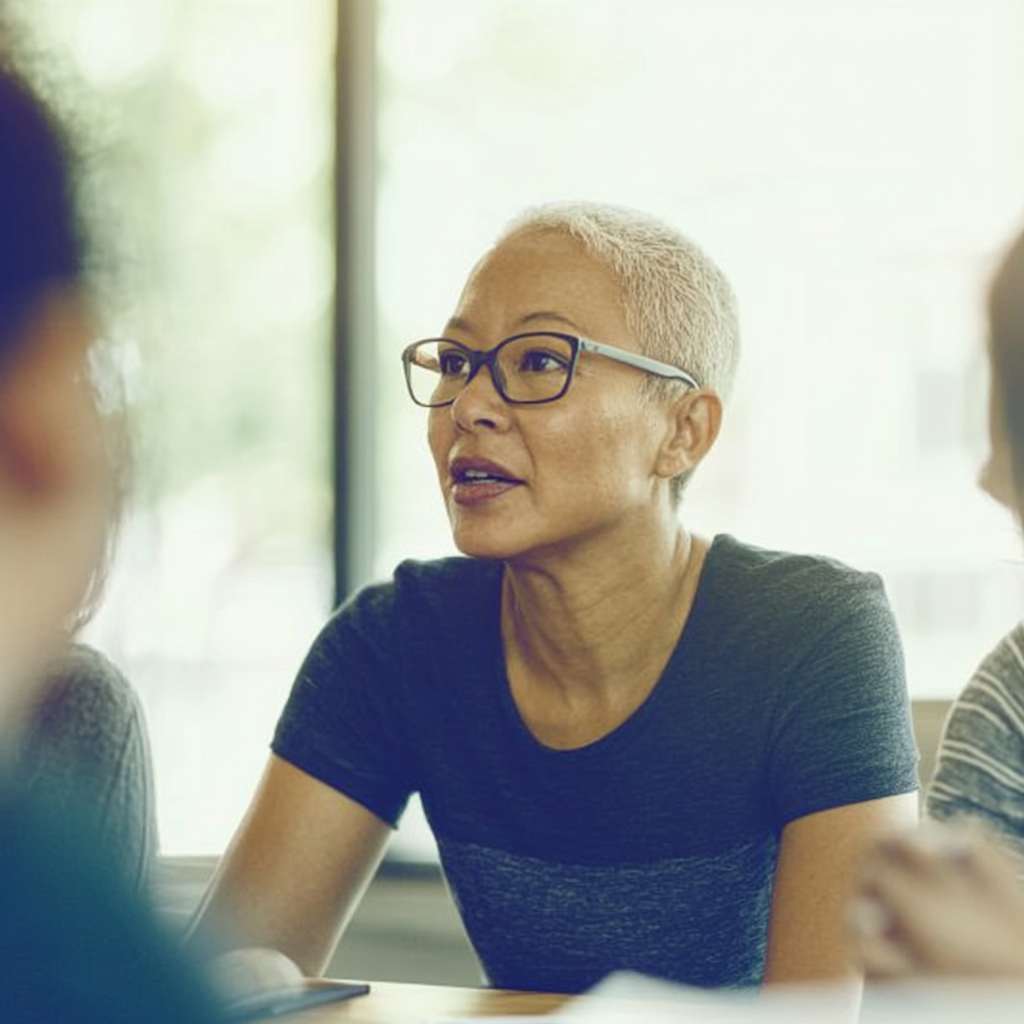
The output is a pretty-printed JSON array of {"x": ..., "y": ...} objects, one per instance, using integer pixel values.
[{"x": 468, "y": 493}]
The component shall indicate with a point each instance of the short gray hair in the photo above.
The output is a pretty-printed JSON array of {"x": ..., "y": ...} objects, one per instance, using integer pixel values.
[{"x": 678, "y": 303}]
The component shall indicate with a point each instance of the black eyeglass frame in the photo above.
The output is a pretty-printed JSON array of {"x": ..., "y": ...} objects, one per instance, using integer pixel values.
[{"x": 489, "y": 358}]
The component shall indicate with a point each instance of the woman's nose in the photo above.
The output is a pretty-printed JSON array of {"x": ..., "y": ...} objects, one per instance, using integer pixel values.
[{"x": 479, "y": 403}]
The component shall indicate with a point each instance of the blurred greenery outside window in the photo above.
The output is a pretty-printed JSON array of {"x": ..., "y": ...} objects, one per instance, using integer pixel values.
[{"x": 854, "y": 169}]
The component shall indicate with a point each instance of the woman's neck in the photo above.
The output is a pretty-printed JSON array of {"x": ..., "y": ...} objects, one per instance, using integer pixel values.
[{"x": 593, "y": 623}]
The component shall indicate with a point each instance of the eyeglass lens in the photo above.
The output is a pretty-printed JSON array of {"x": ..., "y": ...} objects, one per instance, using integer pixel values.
[{"x": 533, "y": 368}]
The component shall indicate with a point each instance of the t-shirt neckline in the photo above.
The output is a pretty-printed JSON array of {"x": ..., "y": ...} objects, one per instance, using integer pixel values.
[{"x": 672, "y": 674}]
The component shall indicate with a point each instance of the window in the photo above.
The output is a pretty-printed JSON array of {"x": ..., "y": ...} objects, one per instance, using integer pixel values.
[
  {"x": 854, "y": 170},
  {"x": 212, "y": 124},
  {"x": 851, "y": 167}
]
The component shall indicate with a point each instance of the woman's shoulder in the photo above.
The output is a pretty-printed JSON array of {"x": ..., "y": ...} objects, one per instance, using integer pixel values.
[
  {"x": 788, "y": 582},
  {"x": 418, "y": 596},
  {"x": 441, "y": 581},
  {"x": 1006, "y": 661},
  {"x": 980, "y": 765},
  {"x": 997, "y": 685},
  {"x": 85, "y": 687},
  {"x": 439, "y": 575}
]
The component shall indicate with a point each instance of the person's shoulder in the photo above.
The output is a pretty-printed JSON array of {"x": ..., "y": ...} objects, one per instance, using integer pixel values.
[
  {"x": 790, "y": 580},
  {"x": 995, "y": 692},
  {"x": 439, "y": 575},
  {"x": 418, "y": 589},
  {"x": 1005, "y": 663},
  {"x": 84, "y": 684},
  {"x": 450, "y": 584}
]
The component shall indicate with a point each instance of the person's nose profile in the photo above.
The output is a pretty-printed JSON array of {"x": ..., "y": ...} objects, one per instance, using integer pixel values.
[{"x": 479, "y": 405}]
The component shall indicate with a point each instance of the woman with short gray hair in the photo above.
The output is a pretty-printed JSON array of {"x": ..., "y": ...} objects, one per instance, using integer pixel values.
[{"x": 637, "y": 747}]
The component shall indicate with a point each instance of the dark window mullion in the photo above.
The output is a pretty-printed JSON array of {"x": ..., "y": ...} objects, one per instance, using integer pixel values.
[{"x": 355, "y": 450}]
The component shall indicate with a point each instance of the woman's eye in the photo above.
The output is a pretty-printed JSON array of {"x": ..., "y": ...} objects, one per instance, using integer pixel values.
[
  {"x": 539, "y": 361},
  {"x": 452, "y": 363}
]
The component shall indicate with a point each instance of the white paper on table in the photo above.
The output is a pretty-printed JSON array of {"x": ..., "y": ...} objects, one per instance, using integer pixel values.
[{"x": 618, "y": 1000}]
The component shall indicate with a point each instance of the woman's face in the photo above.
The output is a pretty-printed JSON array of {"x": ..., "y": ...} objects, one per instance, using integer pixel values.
[
  {"x": 578, "y": 467},
  {"x": 55, "y": 483}
]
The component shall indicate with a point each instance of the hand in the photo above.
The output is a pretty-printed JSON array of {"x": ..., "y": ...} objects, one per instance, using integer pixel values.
[
  {"x": 243, "y": 973},
  {"x": 938, "y": 901}
]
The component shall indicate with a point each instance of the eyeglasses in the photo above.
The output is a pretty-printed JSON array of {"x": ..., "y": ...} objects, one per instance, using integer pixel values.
[{"x": 527, "y": 369}]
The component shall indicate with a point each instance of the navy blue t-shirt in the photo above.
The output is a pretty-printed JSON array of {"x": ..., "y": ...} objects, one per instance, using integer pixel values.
[{"x": 654, "y": 847}]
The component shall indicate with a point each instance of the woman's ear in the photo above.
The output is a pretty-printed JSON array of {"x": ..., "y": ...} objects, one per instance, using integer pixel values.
[{"x": 694, "y": 421}]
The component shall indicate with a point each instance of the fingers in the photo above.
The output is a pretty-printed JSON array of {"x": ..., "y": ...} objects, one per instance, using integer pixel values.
[
  {"x": 992, "y": 869},
  {"x": 936, "y": 900},
  {"x": 929, "y": 853},
  {"x": 884, "y": 959},
  {"x": 869, "y": 927}
]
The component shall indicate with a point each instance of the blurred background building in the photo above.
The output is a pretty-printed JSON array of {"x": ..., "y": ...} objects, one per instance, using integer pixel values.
[{"x": 853, "y": 168}]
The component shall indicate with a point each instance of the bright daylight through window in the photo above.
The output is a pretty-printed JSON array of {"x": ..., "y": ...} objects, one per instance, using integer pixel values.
[{"x": 853, "y": 189}]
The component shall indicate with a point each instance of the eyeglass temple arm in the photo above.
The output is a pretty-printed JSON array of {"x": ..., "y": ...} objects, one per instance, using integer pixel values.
[{"x": 659, "y": 369}]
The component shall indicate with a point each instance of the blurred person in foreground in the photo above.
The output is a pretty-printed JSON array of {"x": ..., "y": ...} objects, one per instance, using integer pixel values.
[
  {"x": 83, "y": 746},
  {"x": 946, "y": 900},
  {"x": 636, "y": 747},
  {"x": 75, "y": 946}
]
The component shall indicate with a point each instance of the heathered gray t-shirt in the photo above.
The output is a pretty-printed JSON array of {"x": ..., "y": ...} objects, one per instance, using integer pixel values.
[
  {"x": 85, "y": 751},
  {"x": 979, "y": 771},
  {"x": 653, "y": 848}
]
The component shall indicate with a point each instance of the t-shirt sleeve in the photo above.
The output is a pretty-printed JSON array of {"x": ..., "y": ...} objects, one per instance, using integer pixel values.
[
  {"x": 341, "y": 722},
  {"x": 842, "y": 730},
  {"x": 980, "y": 767}
]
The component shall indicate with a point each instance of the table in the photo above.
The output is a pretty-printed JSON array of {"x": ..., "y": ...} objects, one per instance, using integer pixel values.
[{"x": 394, "y": 1003}]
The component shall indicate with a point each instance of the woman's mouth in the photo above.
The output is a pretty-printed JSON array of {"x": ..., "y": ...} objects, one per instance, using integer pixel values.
[
  {"x": 478, "y": 481},
  {"x": 479, "y": 491}
]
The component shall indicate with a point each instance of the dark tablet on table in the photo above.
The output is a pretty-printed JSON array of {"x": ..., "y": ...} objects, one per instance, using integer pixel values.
[{"x": 284, "y": 1001}]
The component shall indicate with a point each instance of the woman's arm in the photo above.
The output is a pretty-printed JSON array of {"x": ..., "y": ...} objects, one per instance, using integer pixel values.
[
  {"x": 294, "y": 872},
  {"x": 819, "y": 857}
]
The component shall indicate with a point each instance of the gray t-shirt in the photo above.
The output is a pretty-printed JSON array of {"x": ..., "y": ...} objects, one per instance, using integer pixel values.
[
  {"x": 85, "y": 749},
  {"x": 653, "y": 848},
  {"x": 980, "y": 767}
]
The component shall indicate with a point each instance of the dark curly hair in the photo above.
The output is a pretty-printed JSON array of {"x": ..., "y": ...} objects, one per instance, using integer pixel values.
[
  {"x": 42, "y": 246},
  {"x": 40, "y": 241}
]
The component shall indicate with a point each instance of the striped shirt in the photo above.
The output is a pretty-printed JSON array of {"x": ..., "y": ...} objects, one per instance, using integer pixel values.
[{"x": 980, "y": 767}]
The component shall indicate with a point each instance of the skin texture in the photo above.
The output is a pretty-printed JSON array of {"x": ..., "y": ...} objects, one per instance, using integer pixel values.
[
  {"x": 599, "y": 580},
  {"x": 815, "y": 878},
  {"x": 56, "y": 490},
  {"x": 294, "y": 872}
]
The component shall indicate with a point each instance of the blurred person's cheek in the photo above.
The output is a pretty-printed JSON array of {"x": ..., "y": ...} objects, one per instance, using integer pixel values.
[{"x": 56, "y": 493}]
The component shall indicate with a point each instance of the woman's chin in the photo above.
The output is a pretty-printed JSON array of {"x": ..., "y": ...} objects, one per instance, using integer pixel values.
[
  {"x": 485, "y": 547},
  {"x": 489, "y": 540}
]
